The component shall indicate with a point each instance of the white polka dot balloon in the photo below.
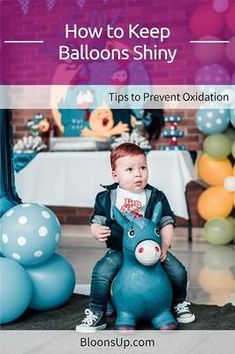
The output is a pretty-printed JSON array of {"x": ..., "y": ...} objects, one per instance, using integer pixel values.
[
  {"x": 30, "y": 233},
  {"x": 212, "y": 121},
  {"x": 232, "y": 115}
]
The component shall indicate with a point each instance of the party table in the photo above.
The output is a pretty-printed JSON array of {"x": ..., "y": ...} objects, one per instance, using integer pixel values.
[{"x": 73, "y": 178}]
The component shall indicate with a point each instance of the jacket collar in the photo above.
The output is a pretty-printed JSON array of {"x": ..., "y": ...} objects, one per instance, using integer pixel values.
[
  {"x": 110, "y": 186},
  {"x": 115, "y": 185}
]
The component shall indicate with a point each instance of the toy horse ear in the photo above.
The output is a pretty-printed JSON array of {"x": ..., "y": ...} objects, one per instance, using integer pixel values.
[
  {"x": 119, "y": 217},
  {"x": 157, "y": 213}
]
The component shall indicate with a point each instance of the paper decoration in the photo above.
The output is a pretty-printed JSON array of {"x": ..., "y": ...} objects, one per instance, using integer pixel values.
[
  {"x": 24, "y": 4},
  {"x": 80, "y": 3},
  {"x": 51, "y": 4}
]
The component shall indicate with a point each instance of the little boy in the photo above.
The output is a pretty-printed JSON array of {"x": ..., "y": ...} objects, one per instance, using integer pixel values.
[{"x": 130, "y": 194}]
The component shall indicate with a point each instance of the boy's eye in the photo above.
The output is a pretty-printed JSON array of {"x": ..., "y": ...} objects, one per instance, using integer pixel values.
[
  {"x": 129, "y": 169},
  {"x": 143, "y": 168}
]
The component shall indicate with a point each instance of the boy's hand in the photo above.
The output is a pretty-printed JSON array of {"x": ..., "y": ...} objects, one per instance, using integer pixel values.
[
  {"x": 164, "y": 251},
  {"x": 100, "y": 232}
]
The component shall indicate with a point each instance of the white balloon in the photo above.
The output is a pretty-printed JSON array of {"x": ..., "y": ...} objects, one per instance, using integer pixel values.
[{"x": 229, "y": 184}]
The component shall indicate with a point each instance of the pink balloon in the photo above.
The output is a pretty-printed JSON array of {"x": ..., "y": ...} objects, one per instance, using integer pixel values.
[
  {"x": 206, "y": 21},
  {"x": 230, "y": 18},
  {"x": 230, "y": 50},
  {"x": 209, "y": 53},
  {"x": 220, "y": 5},
  {"x": 233, "y": 79},
  {"x": 213, "y": 74}
]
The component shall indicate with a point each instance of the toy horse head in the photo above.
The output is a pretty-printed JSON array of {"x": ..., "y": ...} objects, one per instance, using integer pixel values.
[{"x": 141, "y": 236}]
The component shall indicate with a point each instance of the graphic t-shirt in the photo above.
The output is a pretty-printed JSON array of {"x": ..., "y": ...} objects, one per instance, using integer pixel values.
[{"x": 129, "y": 202}]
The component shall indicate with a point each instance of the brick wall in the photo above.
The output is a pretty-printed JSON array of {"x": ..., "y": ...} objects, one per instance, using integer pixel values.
[{"x": 192, "y": 137}]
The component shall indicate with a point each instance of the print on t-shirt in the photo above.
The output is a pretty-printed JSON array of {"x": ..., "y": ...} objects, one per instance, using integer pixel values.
[{"x": 132, "y": 206}]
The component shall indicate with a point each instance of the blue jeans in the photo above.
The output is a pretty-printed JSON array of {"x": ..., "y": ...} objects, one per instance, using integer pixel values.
[{"x": 107, "y": 267}]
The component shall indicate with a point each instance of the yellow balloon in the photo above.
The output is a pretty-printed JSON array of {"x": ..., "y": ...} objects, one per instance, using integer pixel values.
[
  {"x": 213, "y": 171},
  {"x": 234, "y": 192},
  {"x": 215, "y": 202}
]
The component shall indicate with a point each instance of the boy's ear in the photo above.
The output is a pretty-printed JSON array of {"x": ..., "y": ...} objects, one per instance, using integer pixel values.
[{"x": 114, "y": 175}]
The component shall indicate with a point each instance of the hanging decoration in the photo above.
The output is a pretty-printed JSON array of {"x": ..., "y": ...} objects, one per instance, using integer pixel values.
[
  {"x": 50, "y": 4},
  {"x": 24, "y": 4},
  {"x": 173, "y": 133},
  {"x": 80, "y": 3}
]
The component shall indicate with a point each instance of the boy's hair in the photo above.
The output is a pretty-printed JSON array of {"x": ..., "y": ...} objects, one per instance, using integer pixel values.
[{"x": 126, "y": 149}]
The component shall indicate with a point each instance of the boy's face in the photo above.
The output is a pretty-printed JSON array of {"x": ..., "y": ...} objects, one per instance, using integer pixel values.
[{"x": 131, "y": 173}]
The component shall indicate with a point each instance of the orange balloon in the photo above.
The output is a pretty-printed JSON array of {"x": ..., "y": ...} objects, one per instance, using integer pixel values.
[
  {"x": 213, "y": 171},
  {"x": 216, "y": 281},
  {"x": 219, "y": 299},
  {"x": 215, "y": 202}
]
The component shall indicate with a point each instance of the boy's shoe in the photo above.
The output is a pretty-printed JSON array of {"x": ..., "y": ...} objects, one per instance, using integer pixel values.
[
  {"x": 93, "y": 321},
  {"x": 183, "y": 313}
]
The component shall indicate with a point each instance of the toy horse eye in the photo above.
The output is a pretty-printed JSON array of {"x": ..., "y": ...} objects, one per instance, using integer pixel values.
[
  {"x": 131, "y": 233},
  {"x": 156, "y": 231}
]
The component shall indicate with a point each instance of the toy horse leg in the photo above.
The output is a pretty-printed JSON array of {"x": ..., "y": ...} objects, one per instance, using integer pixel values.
[
  {"x": 164, "y": 321},
  {"x": 125, "y": 321}
]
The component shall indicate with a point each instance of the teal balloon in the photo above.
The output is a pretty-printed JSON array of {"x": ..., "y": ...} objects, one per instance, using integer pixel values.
[
  {"x": 15, "y": 290},
  {"x": 230, "y": 133},
  {"x": 218, "y": 231},
  {"x": 212, "y": 121},
  {"x": 30, "y": 233},
  {"x": 219, "y": 258},
  {"x": 53, "y": 283},
  {"x": 217, "y": 146},
  {"x": 232, "y": 116},
  {"x": 233, "y": 149}
]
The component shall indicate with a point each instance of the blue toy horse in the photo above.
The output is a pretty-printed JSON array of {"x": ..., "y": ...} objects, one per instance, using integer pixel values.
[{"x": 141, "y": 289}]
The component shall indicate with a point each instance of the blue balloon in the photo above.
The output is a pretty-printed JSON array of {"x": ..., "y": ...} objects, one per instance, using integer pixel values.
[
  {"x": 53, "y": 283},
  {"x": 232, "y": 115},
  {"x": 15, "y": 290},
  {"x": 30, "y": 233},
  {"x": 212, "y": 121}
]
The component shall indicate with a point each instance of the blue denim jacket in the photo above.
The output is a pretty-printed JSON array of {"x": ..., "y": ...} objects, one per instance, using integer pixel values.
[{"x": 103, "y": 212}]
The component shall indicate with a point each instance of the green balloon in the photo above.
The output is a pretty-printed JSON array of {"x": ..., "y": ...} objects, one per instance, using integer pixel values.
[
  {"x": 231, "y": 219},
  {"x": 219, "y": 258},
  {"x": 218, "y": 146},
  {"x": 233, "y": 149},
  {"x": 218, "y": 231},
  {"x": 230, "y": 133}
]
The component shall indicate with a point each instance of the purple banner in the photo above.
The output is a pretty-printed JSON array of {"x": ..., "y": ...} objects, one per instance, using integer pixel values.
[{"x": 117, "y": 42}]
